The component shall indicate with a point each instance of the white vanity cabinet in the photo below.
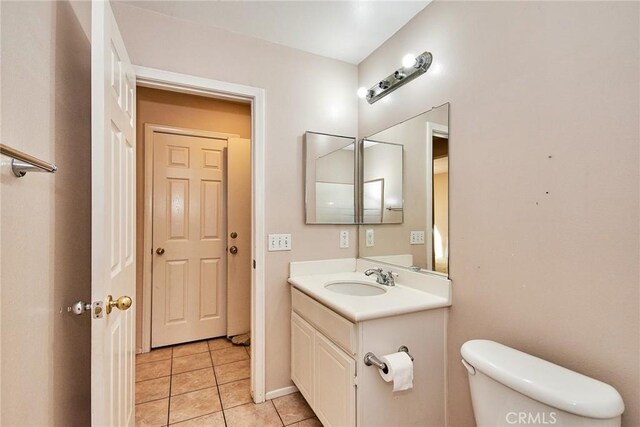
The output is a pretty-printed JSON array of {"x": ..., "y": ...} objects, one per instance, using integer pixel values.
[
  {"x": 324, "y": 373},
  {"x": 302, "y": 356},
  {"x": 327, "y": 352}
]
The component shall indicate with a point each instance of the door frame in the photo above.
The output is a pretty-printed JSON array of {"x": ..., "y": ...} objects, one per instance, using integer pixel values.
[
  {"x": 436, "y": 129},
  {"x": 184, "y": 83}
]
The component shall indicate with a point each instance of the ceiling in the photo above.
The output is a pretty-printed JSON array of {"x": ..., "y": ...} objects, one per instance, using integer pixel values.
[{"x": 345, "y": 30}]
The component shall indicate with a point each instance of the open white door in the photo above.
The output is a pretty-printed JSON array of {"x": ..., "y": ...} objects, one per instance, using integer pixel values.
[
  {"x": 113, "y": 159},
  {"x": 239, "y": 237}
]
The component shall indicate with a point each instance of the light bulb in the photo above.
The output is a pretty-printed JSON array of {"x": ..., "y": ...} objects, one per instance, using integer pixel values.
[
  {"x": 362, "y": 92},
  {"x": 408, "y": 60}
]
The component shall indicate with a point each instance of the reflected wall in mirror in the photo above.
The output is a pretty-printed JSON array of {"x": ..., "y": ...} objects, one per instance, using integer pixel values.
[
  {"x": 419, "y": 237},
  {"x": 330, "y": 179},
  {"x": 382, "y": 182}
]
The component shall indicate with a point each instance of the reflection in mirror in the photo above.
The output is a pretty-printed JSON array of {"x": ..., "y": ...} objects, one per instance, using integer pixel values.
[
  {"x": 417, "y": 237},
  {"x": 382, "y": 189},
  {"x": 329, "y": 179}
]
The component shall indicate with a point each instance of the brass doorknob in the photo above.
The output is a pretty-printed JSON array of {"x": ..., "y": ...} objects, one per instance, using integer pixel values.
[
  {"x": 233, "y": 250},
  {"x": 160, "y": 251},
  {"x": 123, "y": 303}
]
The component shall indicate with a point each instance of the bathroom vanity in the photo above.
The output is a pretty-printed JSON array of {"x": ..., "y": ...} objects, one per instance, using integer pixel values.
[{"x": 339, "y": 315}]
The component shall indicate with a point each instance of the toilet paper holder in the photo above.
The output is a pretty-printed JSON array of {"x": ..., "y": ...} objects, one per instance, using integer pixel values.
[{"x": 371, "y": 359}]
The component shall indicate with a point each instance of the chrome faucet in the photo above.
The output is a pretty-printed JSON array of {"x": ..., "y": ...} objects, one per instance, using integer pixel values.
[{"x": 382, "y": 278}]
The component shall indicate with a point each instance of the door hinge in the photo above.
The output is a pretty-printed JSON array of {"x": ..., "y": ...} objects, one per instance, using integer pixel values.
[
  {"x": 355, "y": 381},
  {"x": 254, "y": 264}
]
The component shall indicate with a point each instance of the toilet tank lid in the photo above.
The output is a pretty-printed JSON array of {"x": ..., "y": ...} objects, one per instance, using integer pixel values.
[{"x": 543, "y": 381}]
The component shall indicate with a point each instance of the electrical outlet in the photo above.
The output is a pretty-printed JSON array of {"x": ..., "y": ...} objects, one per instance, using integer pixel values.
[
  {"x": 416, "y": 238},
  {"x": 369, "y": 239},
  {"x": 344, "y": 239},
  {"x": 279, "y": 242}
]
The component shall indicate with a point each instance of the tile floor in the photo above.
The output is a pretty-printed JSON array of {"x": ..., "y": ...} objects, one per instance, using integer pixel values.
[{"x": 206, "y": 383}]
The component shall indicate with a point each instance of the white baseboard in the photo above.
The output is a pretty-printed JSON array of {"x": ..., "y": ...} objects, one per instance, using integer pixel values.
[{"x": 280, "y": 392}]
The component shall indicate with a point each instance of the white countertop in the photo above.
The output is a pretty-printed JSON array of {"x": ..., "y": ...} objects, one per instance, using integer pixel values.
[{"x": 397, "y": 300}]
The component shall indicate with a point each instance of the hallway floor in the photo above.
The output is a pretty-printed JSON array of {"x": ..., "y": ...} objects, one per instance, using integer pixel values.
[{"x": 206, "y": 383}]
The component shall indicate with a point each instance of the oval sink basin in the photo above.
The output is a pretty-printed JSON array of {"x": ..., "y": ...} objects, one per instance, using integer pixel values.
[{"x": 355, "y": 288}]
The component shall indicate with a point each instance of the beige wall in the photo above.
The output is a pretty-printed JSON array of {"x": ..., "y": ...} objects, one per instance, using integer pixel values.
[
  {"x": 45, "y": 246},
  {"x": 544, "y": 129},
  {"x": 185, "y": 111},
  {"x": 298, "y": 98}
]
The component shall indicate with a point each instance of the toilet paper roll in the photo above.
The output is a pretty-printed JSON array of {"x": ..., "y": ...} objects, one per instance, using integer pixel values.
[{"x": 400, "y": 370}]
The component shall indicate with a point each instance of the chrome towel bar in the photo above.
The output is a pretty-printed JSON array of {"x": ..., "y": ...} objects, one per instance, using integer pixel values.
[
  {"x": 23, "y": 162},
  {"x": 371, "y": 359}
]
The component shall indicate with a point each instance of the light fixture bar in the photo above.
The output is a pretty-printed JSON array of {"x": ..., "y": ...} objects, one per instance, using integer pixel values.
[{"x": 401, "y": 76}]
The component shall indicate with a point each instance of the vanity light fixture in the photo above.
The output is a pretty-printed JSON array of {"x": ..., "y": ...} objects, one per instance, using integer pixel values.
[{"x": 412, "y": 67}]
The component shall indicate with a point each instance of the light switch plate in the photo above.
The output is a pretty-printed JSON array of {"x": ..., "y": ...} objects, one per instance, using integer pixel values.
[
  {"x": 416, "y": 238},
  {"x": 369, "y": 238},
  {"x": 344, "y": 239},
  {"x": 279, "y": 242}
]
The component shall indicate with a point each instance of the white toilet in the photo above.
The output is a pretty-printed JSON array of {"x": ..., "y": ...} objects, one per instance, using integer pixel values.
[{"x": 509, "y": 387}]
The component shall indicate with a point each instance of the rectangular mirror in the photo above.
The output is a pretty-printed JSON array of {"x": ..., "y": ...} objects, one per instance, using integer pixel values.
[
  {"x": 382, "y": 182},
  {"x": 407, "y": 225},
  {"x": 330, "y": 178}
]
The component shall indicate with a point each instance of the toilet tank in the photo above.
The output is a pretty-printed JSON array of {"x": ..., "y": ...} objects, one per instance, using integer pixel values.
[{"x": 509, "y": 387}]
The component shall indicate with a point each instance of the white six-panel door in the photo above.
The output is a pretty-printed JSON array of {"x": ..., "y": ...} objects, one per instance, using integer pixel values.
[
  {"x": 189, "y": 296},
  {"x": 113, "y": 159}
]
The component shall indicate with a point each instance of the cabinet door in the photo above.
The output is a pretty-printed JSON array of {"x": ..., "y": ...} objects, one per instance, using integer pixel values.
[
  {"x": 334, "y": 388},
  {"x": 302, "y": 369}
]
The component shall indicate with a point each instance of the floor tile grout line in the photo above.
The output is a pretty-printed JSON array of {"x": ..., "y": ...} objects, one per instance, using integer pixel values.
[
  {"x": 278, "y": 413},
  {"x": 236, "y": 380},
  {"x": 192, "y": 354},
  {"x": 151, "y": 361},
  {"x": 193, "y": 418},
  {"x": 227, "y": 363},
  {"x": 154, "y": 378},
  {"x": 152, "y": 400},
  {"x": 193, "y": 370},
  {"x": 194, "y": 390},
  {"x": 299, "y": 421},
  {"x": 251, "y": 402},
  {"x": 215, "y": 378}
]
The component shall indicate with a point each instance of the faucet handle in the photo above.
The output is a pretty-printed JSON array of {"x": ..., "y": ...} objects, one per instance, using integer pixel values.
[{"x": 391, "y": 278}]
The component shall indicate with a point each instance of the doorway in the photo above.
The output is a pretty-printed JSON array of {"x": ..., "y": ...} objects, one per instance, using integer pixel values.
[
  {"x": 183, "y": 83},
  {"x": 194, "y": 183}
]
